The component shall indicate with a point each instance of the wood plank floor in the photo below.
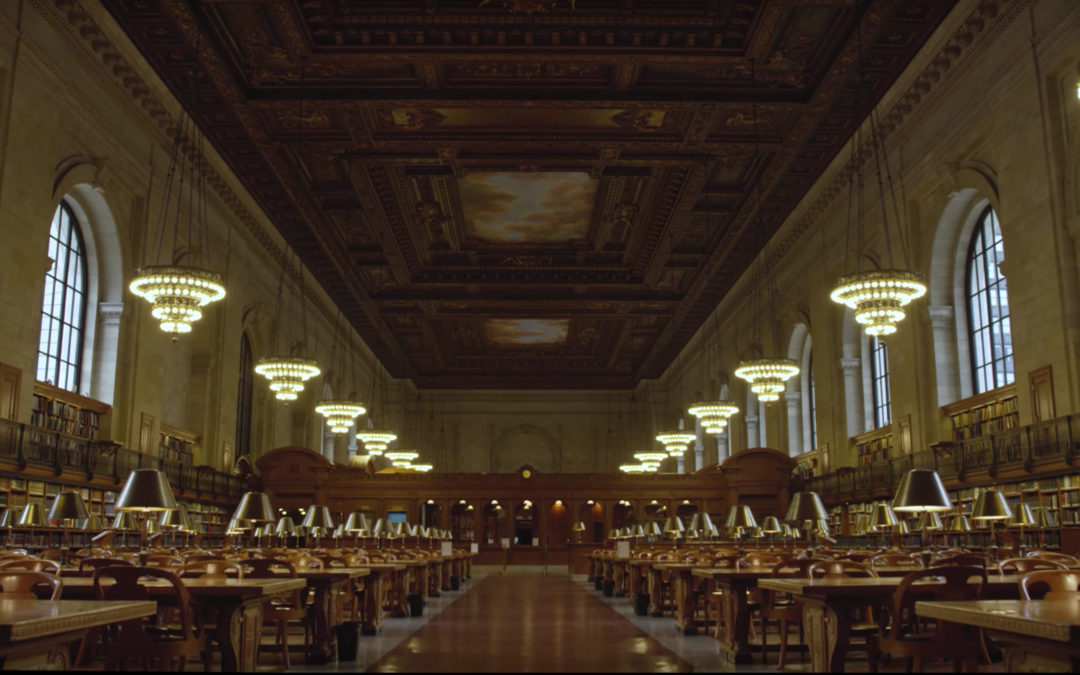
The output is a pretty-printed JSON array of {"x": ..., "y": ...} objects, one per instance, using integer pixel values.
[{"x": 529, "y": 623}]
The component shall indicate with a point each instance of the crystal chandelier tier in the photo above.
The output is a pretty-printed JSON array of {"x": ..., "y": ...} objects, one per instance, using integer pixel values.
[
  {"x": 878, "y": 297},
  {"x": 650, "y": 458},
  {"x": 376, "y": 440},
  {"x": 179, "y": 289},
  {"x": 767, "y": 376},
  {"x": 422, "y": 468},
  {"x": 340, "y": 414},
  {"x": 287, "y": 374},
  {"x": 402, "y": 459},
  {"x": 713, "y": 415},
  {"x": 675, "y": 442},
  {"x": 633, "y": 468}
]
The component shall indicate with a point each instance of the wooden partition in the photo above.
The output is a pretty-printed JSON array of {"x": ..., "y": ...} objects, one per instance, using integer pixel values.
[{"x": 760, "y": 477}]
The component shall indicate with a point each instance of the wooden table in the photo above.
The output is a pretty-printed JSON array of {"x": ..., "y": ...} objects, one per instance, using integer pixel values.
[
  {"x": 323, "y": 613},
  {"x": 385, "y": 587},
  {"x": 733, "y": 625},
  {"x": 681, "y": 577},
  {"x": 838, "y": 599},
  {"x": 237, "y": 602},
  {"x": 1039, "y": 635},
  {"x": 36, "y": 633}
]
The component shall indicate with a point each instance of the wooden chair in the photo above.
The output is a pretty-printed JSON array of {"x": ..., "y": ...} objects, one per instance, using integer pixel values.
[
  {"x": 164, "y": 561},
  {"x": 950, "y": 641},
  {"x": 98, "y": 563},
  {"x": 785, "y": 611},
  {"x": 211, "y": 569},
  {"x": 288, "y": 607},
  {"x": 51, "y": 554},
  {"x": 142, "y": 639},
  {"x": 1050, "y": 585},
  {"x": 895, "y": 560},
  {"x": 29, "y": 584},
  {"x": 1025, "y": 565},
  {"x": 32, "y": 565},
  {"x": 758, "y": 560},
  {"x": 838, "y": 569}
]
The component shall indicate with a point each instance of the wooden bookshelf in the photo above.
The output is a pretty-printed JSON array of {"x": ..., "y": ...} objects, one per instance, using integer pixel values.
[
  {"x": 59, "y": 410},
  {"x": 983, "y": 414},
  {"x": 873, "y": 446},
  {"x": 177, "y": 445}
]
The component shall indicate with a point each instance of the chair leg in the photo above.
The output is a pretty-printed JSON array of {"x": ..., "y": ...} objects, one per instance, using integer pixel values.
[
  {"x": 872, "y": 653},
  {"x": 764, "y": 640},
  {"x": 283, "y": 640},
  {"x": 783, "y": 642},
  {"x": 917, "y": 664}
]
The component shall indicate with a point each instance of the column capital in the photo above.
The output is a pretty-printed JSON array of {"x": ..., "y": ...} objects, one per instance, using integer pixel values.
[
  {"x": 110, "y": 312},
  {"x": 941, "y": 315},
  {"x": 850, "y": 365}
]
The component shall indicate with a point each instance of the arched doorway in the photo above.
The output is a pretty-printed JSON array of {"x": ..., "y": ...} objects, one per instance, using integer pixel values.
[
  {"x": 591, "y": 515},
  {"x": 558, "y": 529},
  {"x": 494, "y": 524},
  {"x": 463, "y": 521},
  {"x": 524, "y": 523},
  {"x": 431, "y": 514}
]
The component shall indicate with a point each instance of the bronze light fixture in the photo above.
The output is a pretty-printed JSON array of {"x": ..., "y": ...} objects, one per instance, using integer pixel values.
[
  {"x": 921, "y": 490},
  {"x": 67, "y": 507}
]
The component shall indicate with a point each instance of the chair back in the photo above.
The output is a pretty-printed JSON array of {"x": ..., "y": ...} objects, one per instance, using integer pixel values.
[
  {"x": 52, "y": 554},
  {"x": 840, "y": 568},
  {"x": 32, "y": 565},
  {"x": 164, "y": 561},
  {"x": 29, "y": 585},
  {"x": 758, "y": 560},
  {"x": 1050, "y": 585},
  {"x": 895, "y": 560},
  {"x": 98, "y": 563},
  {"x": 1064, "y": 558},
  {"x": 358, "y": 560},
  {"x": 268, "y": 568},
  {"x": 1025, "y": 565},
  {"x": 329, "y": 561},
  {"x": 956, "y": 586},
  {"x": 962, "y": 560},
  {"x": 118, "y": 582},
  {"x": 212, "y": 569}
]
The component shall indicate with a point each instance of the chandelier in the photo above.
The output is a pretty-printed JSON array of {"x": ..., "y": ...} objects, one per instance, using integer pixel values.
[
  {"x": 422, "y": 468},
  {"x": 633, "y": 468},
  {"x": 878, "y": 297},
  {"x": 713, "y": 416},
  {"x": 402, "y": 459},
  {"x": 340, "y": 414},
  {"x": 652, "y": 459},
  {"x": 767, "y": 376},
  {"x": 287, "y": 374},
  {"x": 675, "y": 442},
  {"x": 177, "y": 292},
  {"x": 376, "y": 440}
]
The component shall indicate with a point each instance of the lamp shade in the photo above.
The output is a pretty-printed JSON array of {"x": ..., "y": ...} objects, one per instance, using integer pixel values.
[
  {"x": 805, "y": 506},
  {"x": 901, "y": 527},
  {"x": 125, "y": 522},
  {"x": 991, "y": 505},
  {"x": 33, "y": 515},
  {"x": 398, "y": 529},
  {"x": 1023, "y": 517},
  {"x": 653, "y": 529},
  {"x": 92, "y": 524},
  {"x": 579, "y": 526},
  {"x": 638, "y": 531},
  {"x": 146, "y": 490},
  {"x": 339, "y": 531},
  {"x": 929, "y": 520},
  {"x": 8, "y": 517},
  {"x": 862, "y": 524},
  {"x": 673, "y": 525},
  {"x": 740, "y": 516},
  {"x": 318, "y": 516},
  {"x": 357, "y": 521},
  {"x": 153, "y": 527},
  {"x": 256, "y": 507},
  {"x": 68, "y": 505},
  {"x": 921, "y": 490},
  {"x": 380, "y": 529},
  {"x": 1043, "y": 516},
  {"x": 285, "y": 527},
  {"x": 960, "y": 524},
  {"x": 236, "y": 526},
  {"x": 771, "y": 525},
  {"x": 881, "y": 516},
  {"x": 177, "y": 520}
]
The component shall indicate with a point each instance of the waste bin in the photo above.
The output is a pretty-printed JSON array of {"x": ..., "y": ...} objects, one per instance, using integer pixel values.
[
  {"x": 455, "y": 583},
  {"x": 598, "y": 583},
  {"x": 348, "y": 637},
  {"x": 416, "y": 604},
  {"x": 641, "y": 604},
  {"x": 609, "y": 588}
]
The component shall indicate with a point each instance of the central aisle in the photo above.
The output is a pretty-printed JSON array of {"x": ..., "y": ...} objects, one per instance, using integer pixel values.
[{"x": 529, "y": 623}]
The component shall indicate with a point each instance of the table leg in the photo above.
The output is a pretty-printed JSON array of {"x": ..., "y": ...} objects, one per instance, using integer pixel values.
[
  {"x": 656, "y": 596},
  {"x": 239, "y": 632},
  {"x": 321, "y": 615},
  {"x": 684, "y": 603},
  {"x": 736, "y": 629},
  {"x": 373, "y": 603}
]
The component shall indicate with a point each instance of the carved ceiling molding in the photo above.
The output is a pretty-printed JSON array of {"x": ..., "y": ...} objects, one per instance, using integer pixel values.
[{"x": 961, "y": 46}]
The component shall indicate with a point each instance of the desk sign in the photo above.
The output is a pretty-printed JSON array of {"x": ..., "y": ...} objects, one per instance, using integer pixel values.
[
  {"x": 505, "y": 542},
  {"x": 448, "y": 548},
  {"x": 474, "y": 547},
  {"x": 622, "y": 549}
]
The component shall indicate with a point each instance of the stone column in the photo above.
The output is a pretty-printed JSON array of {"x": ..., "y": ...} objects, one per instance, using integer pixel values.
[
  {"x": 722, "y": 451},
  {"x": 103, "y": 380},
  {"x": 852, "y": 397},
  {"x": 680, "y": 463},
  {"x": 943, "y": 324},
  {"x": 794, "y": 422},
  {"x": 753, "y": 435},
  {"x": 699, "y": 446}
]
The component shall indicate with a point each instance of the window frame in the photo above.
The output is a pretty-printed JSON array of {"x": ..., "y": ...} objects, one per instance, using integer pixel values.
[
  {"x": 881, "y": 397},
  {"x": 985, "y": 375},
  {"x": 69, "y": 326}
]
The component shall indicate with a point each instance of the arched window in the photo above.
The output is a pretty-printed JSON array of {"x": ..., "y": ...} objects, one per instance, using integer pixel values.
[
  {"x": 243, "y": 398},
  {"x": 879, "y": 379},
  {"x": 989, "y": 330},
  {"x": 63, "y": 304}
]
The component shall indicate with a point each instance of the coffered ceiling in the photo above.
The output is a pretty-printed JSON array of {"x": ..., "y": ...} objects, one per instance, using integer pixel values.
[{"x": 527, "y": 193}]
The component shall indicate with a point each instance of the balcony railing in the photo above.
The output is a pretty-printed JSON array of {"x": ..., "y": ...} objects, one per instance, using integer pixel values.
[
  {"x": 25, "y": 445},
  {"x": 1020, "y": 448}
]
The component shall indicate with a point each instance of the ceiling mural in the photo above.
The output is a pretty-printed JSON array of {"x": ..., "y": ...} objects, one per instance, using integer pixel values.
[
  {"x": 539, "y": 207},
  {"x": 527, "y": 194}
]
